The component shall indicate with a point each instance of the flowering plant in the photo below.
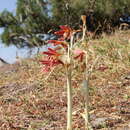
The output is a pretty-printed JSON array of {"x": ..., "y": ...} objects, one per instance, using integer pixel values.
[
  {"x": 56, "y": 56},
  {"x": 65, "y": 51}
]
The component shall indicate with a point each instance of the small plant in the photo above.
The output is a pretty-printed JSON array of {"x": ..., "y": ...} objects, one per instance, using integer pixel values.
[
  {"x": 65, "y": 51},
  {"x": 62, "y": 55}
]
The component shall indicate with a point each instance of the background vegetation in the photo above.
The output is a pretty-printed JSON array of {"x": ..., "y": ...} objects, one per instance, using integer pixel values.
[{"x": 33, "y": 18}]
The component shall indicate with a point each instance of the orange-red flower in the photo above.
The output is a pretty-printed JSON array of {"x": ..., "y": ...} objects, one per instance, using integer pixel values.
[
  {"x": 56, "y": 42},
  {"x": 51, "y": 60},
  {"x": 51, "y": 52},
  {"x": 49, "y": 63},
  {"x": 65, "y": 32}
]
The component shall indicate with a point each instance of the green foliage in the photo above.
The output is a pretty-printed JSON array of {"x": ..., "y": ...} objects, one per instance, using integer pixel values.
[
  {"x": 22, "y": 29},
  {"x": 34, "y": 17},
  {"x": 103, "y": 9},
  {"x": 67, "y": 11}
]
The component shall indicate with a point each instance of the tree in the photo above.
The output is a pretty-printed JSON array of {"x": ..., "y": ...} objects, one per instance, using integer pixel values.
[
  {"x": 34, "y": 18},
  {"x": 27, "y": 26},
  {"x": 104, "y": 10},
  {"x": 68, "y": 11}
]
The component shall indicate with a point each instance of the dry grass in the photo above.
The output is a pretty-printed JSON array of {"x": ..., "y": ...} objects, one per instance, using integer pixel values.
[{"x": 30, "y": 101}]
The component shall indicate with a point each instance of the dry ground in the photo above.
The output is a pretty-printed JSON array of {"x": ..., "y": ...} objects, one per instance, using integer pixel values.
[{"x": 31, "y": 100}]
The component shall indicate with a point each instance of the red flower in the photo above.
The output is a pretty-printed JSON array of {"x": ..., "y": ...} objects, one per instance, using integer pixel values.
[
  {"x": 51, "y": 52},
  {"x": 56, "y": 42},
  {"x": 51, "y": 60},
  {"x": 64, "y": 28},
  {"x": 80, "y": 54},
  {"x": 49, "y": 63},
  {"x": 65, "y": 32}
]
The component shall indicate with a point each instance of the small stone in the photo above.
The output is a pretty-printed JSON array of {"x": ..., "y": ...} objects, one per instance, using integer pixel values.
[{"x": 99, "y": 122}]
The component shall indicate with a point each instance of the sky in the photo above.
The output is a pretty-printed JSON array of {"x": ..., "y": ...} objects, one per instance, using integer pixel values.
[
  {"x": 9, "y": 53},
  {"x": 8, "y": 4}
]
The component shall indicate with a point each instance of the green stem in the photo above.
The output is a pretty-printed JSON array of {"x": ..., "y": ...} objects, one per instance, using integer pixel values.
[
  {"x": 69, "y": 101},
  {"x": 86, "y": 98},
  {"x": 69, "y": 87},
  {"x": 86, "y": 94}
]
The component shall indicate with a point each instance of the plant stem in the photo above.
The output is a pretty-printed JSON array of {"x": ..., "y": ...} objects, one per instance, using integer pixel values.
[
  {"x": 86, "y": 78},
  {"x": 86, "y": 94},
  {"x": 69, "y": 101},
  {"x": 86, "y": 98},
  {"x": 83, "y": 17},
  {"x": 69, "y": 86}
]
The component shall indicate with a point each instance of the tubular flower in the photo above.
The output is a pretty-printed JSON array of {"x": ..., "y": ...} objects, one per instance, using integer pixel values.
[
  {"x": 49, "y": 63},
  {"x": 80, "y": 54},
  {"x": 51, "y": 60},
  {"x": 56, "y": 42},
  {"x": 65, "y": 32},
  {"x": 51, "y": 52}
]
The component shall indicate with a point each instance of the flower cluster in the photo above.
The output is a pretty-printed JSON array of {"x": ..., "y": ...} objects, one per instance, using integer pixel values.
[
  {"x": 53, "y": 57},
  {"x": 65, "y": 32},
  {"x": 51, "y": 60}
]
